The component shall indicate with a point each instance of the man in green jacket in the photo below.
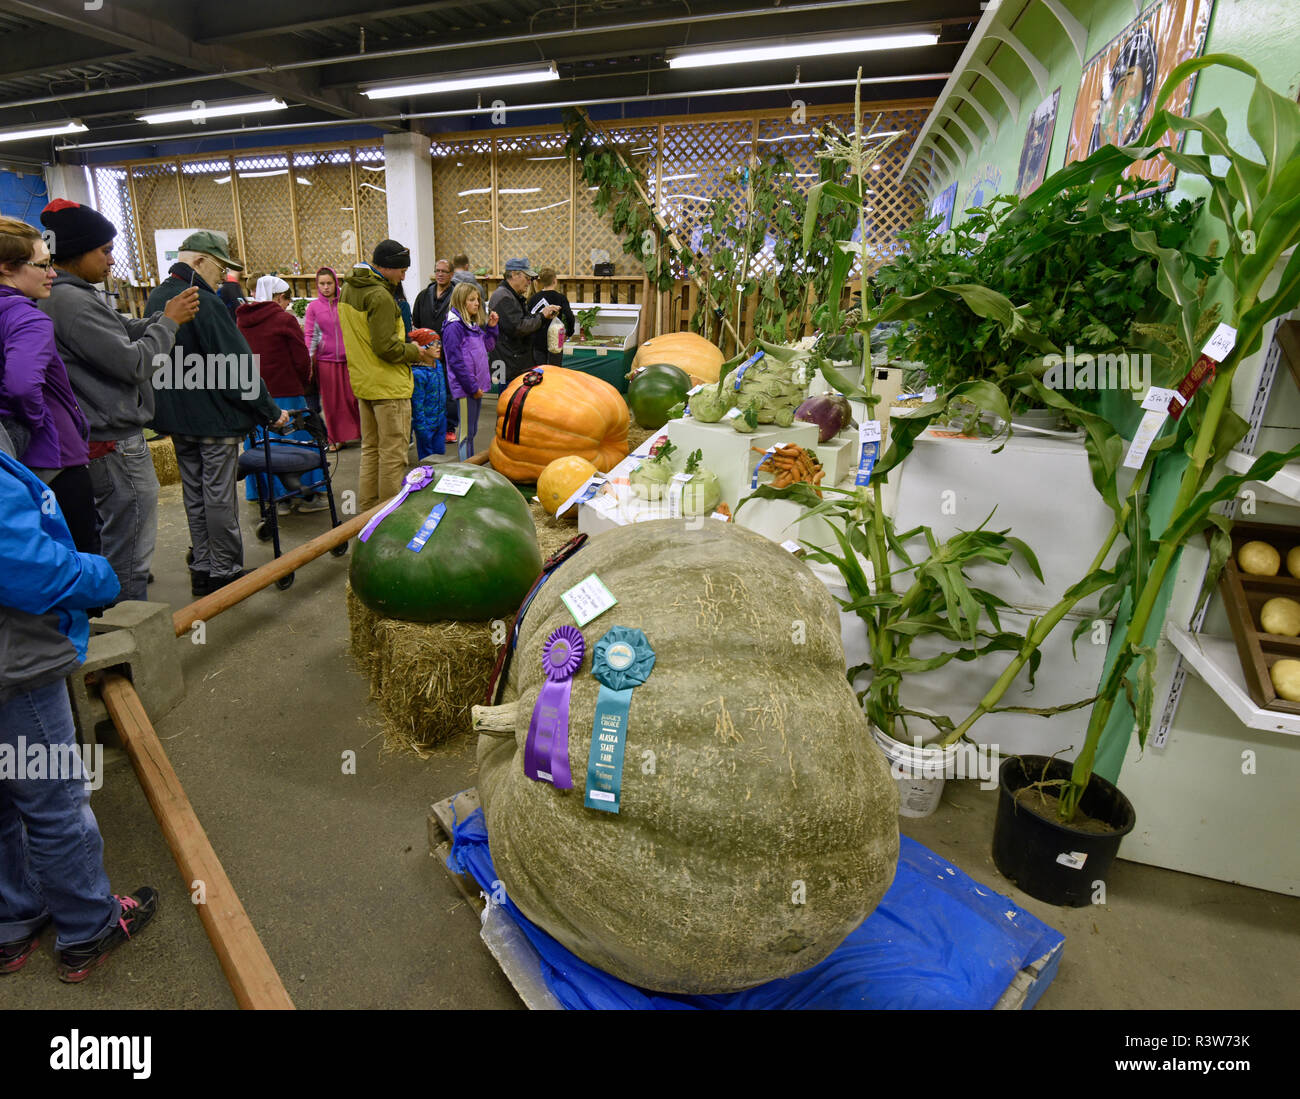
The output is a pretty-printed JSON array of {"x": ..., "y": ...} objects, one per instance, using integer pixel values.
[
  {"x": 208, "y": 394},
  {"x": 379, "y": 358}
]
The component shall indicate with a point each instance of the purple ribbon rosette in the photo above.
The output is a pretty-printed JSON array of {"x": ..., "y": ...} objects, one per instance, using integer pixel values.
[
  {"x": 415, "y": 480},
  {"x": 546, "y": 749}
]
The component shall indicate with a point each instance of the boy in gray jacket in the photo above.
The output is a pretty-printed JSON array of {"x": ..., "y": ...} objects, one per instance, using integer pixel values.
[{"x": 109, "y": 358}]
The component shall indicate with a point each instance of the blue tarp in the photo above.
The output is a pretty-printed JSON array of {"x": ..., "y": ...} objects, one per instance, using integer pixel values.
[{"x": 938, "y": 940}]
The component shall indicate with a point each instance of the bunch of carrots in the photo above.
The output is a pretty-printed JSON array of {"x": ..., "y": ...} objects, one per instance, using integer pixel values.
[{"x": 790, "y": 463}]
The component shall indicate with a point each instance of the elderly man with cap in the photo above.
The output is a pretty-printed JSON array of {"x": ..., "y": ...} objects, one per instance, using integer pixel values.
[
  {"x": 208, "y": 397},
  {"x": 109, "y": 357},
  {"x": 517, "y": 325},
  {"x": 379, "y": 358}
]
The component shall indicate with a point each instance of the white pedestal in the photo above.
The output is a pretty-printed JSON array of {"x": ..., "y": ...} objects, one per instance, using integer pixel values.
[{"x": 729, "y": 454}]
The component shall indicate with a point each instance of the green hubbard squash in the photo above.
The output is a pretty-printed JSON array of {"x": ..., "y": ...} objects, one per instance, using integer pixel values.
[
  {"x": 477, "y": 565},
  {"x": 653, "y": 391},
  {"x": 748, "y": 767}
]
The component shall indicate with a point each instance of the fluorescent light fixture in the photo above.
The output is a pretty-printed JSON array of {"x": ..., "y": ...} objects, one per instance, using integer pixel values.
[
  {"x": 222, "y": 109},
  {"x": 546, "y": 158},
  {"x": 519, "y": 190},
  {"x": 692, "y": 198},
  {"x": 513, "y": 228},
  {"x": 474, "y": 191},
  {"x": 485, "y": 79},
  {"x": 464, "y": 211},
  {"x": 793, "y": 51},
  {"x": 688, "y": 175},
  {"x": 44, "y": 129},
  {"x": 372, "y": 168},
  {"x": 374, "y": 188},
  {"x": 478, "y": 221}
]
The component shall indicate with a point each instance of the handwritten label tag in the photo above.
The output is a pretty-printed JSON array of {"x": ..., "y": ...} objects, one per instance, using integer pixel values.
[
  {"x": 453, "y": 485},
  {"x": 1221, "y": 342},
  {"x": 929, "y": 393},
  {"x": 733, "y": 413},
  {"x": 1157, "y": 400},
  {"x": 602, "y": 351},
  {"x": 869, "y": 431},
  {"x": 588, "y": 600},
  {"x": 676, "y": 488}
]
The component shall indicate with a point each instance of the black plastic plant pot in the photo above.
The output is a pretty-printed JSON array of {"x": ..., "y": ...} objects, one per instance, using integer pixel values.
[{"x": 1054, "y": 862}]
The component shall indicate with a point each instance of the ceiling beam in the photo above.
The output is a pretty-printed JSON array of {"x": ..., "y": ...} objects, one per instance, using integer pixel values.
[
  {"x": 117, "y": 25},
  {"x": 47, "y": 51}
]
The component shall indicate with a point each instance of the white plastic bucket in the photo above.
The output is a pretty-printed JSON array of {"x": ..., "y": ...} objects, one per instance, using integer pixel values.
[{"x": 920, "y": 772}]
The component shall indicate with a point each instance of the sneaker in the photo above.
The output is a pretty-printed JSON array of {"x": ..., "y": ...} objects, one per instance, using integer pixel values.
[
  {"x": 14, "y": 955},
  {"x": 283, "y": 507},
  {"x": 77, "y": 963},
  {"x": 199, "y": 582},
  {"x": 217, "y": 582},
  {"x": 451, "y": 436},
  {"x": 306, "y": 507}
]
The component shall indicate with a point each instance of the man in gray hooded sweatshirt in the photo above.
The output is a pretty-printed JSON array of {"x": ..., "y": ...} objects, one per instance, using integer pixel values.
[{"x": 109, "y": 357}]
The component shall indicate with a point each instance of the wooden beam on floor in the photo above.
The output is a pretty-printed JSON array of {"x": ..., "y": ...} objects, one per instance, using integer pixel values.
[{"x": 248, "y": 968}]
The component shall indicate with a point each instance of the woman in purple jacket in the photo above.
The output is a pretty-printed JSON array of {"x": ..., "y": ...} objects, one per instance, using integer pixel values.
[
  {"x": 37, "y": 405},
  {"x": 466, "y": 343}
]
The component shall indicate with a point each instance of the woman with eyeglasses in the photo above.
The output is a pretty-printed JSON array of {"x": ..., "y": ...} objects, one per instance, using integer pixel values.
[{"x": 37, "y": 405}]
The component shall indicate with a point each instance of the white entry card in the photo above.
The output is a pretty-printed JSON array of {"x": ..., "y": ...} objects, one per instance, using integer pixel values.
[
  {"x": 1220, "y": 343},
  {"x": 869, "y": 431},
  {"x": 453, "y": 485},
  {"x": 588, "y": 600}
]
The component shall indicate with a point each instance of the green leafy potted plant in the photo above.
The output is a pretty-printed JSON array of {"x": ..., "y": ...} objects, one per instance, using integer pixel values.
[{"x": 585, "y": 319}]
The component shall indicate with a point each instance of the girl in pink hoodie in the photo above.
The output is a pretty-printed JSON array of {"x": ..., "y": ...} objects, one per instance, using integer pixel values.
[{"x": 329, "y": 361}]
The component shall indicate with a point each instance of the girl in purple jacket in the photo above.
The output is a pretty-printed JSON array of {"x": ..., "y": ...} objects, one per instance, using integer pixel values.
[
  {"x": 330, "y": 361},
  {"x": 466, "y": 344},
  {"x": 37, "y": 405}
]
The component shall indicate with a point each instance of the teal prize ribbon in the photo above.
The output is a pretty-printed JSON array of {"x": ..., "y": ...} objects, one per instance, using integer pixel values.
[{"x": 621, "y": 661}]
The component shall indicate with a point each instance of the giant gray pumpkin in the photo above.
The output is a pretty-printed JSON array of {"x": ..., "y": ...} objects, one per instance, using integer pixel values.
[{"x": 758, "y": 823}]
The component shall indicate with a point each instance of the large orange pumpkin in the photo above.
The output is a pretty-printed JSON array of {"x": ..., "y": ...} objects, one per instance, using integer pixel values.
[
  {"x": 686, "y": 350},
  {"x": 553, "y": 413}
]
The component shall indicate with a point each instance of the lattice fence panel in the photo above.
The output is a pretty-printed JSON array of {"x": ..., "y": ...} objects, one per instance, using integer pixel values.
[
  {"x": 533, "y": 200},
  {"x": 462, "y": 201},
  {"x": 702, "y": 161},
  {"x": 159, "y": 208},
  {"x": 265, "y": 214},
  {"x": 327, "y": 235},
  {"x": 894, "y": 206},
  {"x": 591, "y": 232},
  {"x": 209, "y": 198},
  {"x": 372, "y": 197},
  {"x": 113, "y": 200}
]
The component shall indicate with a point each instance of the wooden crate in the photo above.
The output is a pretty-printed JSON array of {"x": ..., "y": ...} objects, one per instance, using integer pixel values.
[{"x": 1244, "y": 595}]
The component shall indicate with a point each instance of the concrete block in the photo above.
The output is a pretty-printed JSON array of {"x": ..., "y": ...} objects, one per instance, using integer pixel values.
[{"x": 136, "y": 639}]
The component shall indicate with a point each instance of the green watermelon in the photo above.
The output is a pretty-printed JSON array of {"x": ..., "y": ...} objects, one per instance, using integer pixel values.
[
  {"x": 653, "y": 391},
  {"x": 477, "y": 565}
]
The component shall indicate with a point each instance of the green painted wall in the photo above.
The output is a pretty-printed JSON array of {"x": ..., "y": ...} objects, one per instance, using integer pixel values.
[{"x": 1265, "y": 34}]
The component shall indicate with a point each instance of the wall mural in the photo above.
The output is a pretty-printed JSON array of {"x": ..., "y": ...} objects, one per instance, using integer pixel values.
[
  {"x": 1119, "y": 85},
  {"x": 986, "y": 183},
  {"x": 942, "y": 206},
  {"x": 1038, "y": 143}
]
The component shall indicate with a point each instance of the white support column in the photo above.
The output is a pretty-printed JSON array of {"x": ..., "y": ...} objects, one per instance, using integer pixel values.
[
  {"x": 408, "y": 177},
  {"x": 68, "y": 181}
]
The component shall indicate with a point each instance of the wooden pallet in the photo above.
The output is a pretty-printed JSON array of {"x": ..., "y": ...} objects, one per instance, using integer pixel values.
[{"x": 521, "y": 963}]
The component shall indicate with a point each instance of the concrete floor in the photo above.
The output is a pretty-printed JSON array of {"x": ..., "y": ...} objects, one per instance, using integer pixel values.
[{"x": 335, "y": 871}]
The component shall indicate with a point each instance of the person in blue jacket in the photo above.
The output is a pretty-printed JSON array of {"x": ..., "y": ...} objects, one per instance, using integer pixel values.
[{"x": 51, "y": 852}]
